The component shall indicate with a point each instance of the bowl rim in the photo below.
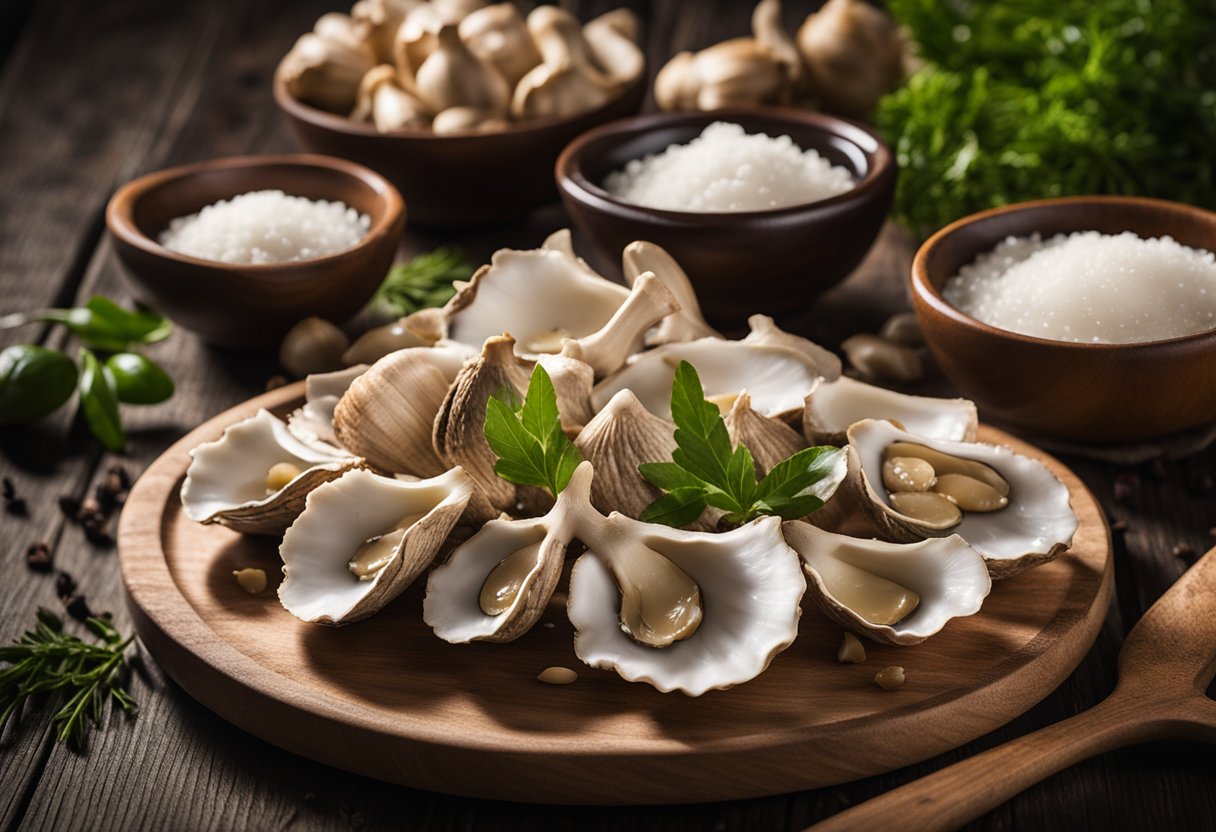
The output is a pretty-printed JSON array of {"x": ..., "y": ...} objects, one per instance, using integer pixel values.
[
  {"x": 570, "y": 177},
  {"x": 924, "y": 291},
  {"x": 347, "y": 126},
  {"x": 121, "y": 221}
]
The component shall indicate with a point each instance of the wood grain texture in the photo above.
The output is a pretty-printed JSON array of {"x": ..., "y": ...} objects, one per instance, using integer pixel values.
[
  {"x": 386, "y": 698},
  {"x": 205, "y": 93}
]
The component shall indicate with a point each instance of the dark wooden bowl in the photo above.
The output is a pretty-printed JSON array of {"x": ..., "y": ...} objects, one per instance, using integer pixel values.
[
  {"x": 460, "y": 180},
  {"x": 775, "y": 262},
  {"x": 253, "y": 305},
  {"x": 1084, "y": 392}
]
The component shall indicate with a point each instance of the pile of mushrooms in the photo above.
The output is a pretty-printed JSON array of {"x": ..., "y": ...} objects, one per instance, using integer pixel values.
[
  {"x": 460, "y": 66},
  {"x": 384, "y": 476},
  {"x": 844, "y": 58}
]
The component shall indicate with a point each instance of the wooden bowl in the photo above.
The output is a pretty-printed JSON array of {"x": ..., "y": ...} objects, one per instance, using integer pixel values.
[
  {"x": 1100, "y": 393},
  {"x": 240, "y": 305},
  {"x": 456, "y": 180},
  {"x": 775, "y": 262}
]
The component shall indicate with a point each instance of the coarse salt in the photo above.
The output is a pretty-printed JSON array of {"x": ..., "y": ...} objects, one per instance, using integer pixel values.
[
  {"x": 1090, "y": 287},
  {"x": 726, "y": 169},
  {"x": 266, "y": 227}
]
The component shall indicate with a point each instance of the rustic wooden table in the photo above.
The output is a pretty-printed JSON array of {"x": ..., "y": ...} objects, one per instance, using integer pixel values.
[{"x": 93, "y": 94}]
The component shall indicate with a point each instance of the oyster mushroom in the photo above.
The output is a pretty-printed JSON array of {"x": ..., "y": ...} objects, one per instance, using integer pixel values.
[
  {"x": 363, "y": 539},
  {"x": 415, "y": 40},
  {"x": 736, "y": 72},
  {"x": 325, "y": 71},
  {"x": 777, "y": 368},
  {"x": 382, "y": 18},
  {"x": 254, "y": 479},
  {"x": 567, "y": 81},
  {"x": 612, "y": 38},
  {"x": 1034, "y": 527},
  {"x": 896, "y": 593},
  {"x": 386, "y": 103},
  {"x": 452, "y": 76},
  {"x": 830, "y": 407},
  {"x": 854, "y": 53},
  {"x": 388, "y": 413},
  {"x": 771, "y": 34},
  {"x": 496, "y": 585},
  {"x": 687, "y": 324},
  {"x": 546, "y": 297},
  {"x": 769, "y": 440},
  {"x": 498, "y": 35},
  {"x": 748, "y": 588},
  {"x": 314, "y": 422}
]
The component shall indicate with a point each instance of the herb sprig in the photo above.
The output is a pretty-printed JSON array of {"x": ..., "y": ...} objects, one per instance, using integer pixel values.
[
  {"x": 528, "y": 439},
  {"x": 83, "y": 677},
  {"x": 706, "y": 471},
  {"x": 36, "y": 381},
  {"x": 423, "y": 282}
]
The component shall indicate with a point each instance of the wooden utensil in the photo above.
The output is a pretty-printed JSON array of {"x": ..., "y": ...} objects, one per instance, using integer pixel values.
[{"x": 1165, "y": 667}]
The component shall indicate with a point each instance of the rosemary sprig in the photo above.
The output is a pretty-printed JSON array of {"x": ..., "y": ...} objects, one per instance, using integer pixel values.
[
  {"x": 48, "y": 662},
  {"x": 423, "y": 282}
]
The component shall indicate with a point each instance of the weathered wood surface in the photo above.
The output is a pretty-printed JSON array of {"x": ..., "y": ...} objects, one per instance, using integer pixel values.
[{"x": 92, "y": 94}]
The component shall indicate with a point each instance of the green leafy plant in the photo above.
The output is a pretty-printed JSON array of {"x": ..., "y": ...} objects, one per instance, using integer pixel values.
[
  {"x": 423, "y": 282},
  {"x": 36, "y": 381},
  {"x": 78, "y": 677},
  {"x": 706, "y": 471},
  {"x": 1041, "y": 98},
  {"x": 528, "y": 439}
]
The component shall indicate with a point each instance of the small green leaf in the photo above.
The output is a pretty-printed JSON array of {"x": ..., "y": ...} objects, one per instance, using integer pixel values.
[
  {"x": 99, "y": 401},
  {"x": 423, "y": 282},
  {"x": 104, "y": 325},
  {"x": 704, "y": 444},
  {"x": 668, "y": 476},
  {"x": 34, "y": 381},
  {"x": 676, "y": 508},
  {"x": 520, "y": 455},
  {"x": 138, "y": 380},
  {"x": 539, "y": 412},
  {"x": 791, "y": 508},
  {"x": 531, "y": 447},
  {"x": 801, "y": 471}
]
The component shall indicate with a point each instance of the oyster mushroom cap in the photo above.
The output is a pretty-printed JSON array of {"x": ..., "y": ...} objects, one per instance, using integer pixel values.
[
  {"x": 769, "y": 440},
  {"x": 1036, "y": 526},
  {"x": 764, "y": 330},
  {"x": 314, "y": 421},
  {"x": 452, "y": 606},
  {"x": 688, "y": 324},
  {"x": 949, "y": 576},
  {"x": 342, "y": 515},
  {"x": 777, "y": 377},
  {"x": 226, "y": 482},
  {"x": 831, "y": 407},
  {"x": 750, "y": 583}
]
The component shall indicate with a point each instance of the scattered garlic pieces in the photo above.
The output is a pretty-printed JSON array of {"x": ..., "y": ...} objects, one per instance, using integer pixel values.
[
  {"x": 557, "y": 676},
  {"x": 851, "y": 650},
  {"x": 891, "y": 678},
  {"x": 883, "y": 360},
  {"x": 251, "y": 580}
]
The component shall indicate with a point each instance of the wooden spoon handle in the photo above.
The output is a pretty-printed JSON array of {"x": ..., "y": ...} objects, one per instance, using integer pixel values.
[{"x": 949, "y": 798}]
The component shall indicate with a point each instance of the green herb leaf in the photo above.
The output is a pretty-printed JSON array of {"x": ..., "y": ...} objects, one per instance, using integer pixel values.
[
  {"x": 99, "y": 401},
  {"x": 676, "y": 508},
  {"x": 706, "y": 471},
  {"x": 34, "y": 381},
  {"x": 138, "y": 379},
  {"x": 531, "y": 447},
  {"x": 78, "y": 676},
  {"x": 423, "y": 282},
  {"x": 104, "y": 325}
]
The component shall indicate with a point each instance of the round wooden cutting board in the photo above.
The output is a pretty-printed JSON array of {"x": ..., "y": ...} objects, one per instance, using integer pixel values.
[{"x": 386, "y": 698}]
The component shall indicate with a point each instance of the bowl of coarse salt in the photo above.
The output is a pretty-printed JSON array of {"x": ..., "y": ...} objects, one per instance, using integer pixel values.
[
  {"x": 763, "y": 208},
  {"x": 239, "y": 250},
  {"x": 1090, "y": 319}
]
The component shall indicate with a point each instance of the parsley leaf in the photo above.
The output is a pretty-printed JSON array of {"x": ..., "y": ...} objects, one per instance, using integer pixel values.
[
  {"x": 531, "y": 447},
  {"x": 706, "y": 471}
]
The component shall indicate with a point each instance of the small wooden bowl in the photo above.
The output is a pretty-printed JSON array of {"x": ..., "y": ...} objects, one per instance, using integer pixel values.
[
  {"x": 1099, "y": 393},
  {"x": 239, "y": 305},
  {"x": 456, "y": 180},
  {"x": 775, "y": 262}
]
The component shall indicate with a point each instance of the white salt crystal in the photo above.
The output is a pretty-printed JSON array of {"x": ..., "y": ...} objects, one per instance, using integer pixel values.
[
  {"x": 266, "y": 227},
  {"x": 726, "y": 170},
  {"x": 1090, "y": 287}
]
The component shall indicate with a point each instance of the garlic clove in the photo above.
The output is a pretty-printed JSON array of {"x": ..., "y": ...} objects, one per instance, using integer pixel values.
[
  {"x": 388, "y": 413},
  {"x": 688, "y": 323},
  {"x": 854, "y": 53},
  {"x": 770, "y": 440},
  {"x": 771, "y": 34},
  {"x": 386, "y": 103},
  {"x": 676, "y": 85},
  {"x": 498, "y": 35},
  {"x": 382, "y": 18},
  {"x": 415, "y": 40},
  {"x": 452, "y": 76},
  {"x": 324, "y": 72},
  {"x": 621, "y": 437},
  {"x": 737, "y": 72},
  {"x": 466, "y": 120},
  {"x": 883, "y": 360},
  {"x": 612, "y": 42},
  {"x": 567, "y": 81},
  {"x": 314, "y": 345},
  {"x": 459, "y": 427}
]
